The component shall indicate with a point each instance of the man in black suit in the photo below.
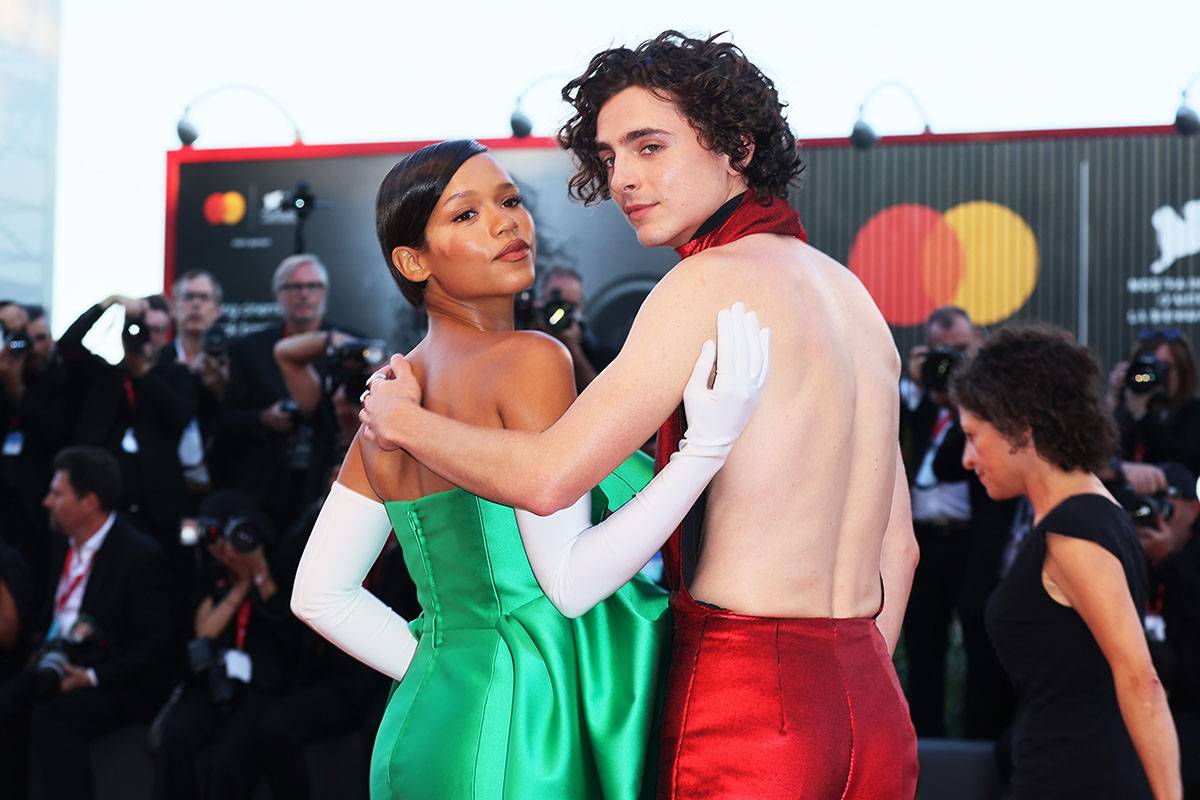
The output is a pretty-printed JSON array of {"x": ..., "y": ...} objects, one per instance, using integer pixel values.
[
  {"x": 264, "y": 445},
  {"x": 137, "y": 410},
  {"x": 962, "y": 534},
  {"x": 109, "y": 594}
]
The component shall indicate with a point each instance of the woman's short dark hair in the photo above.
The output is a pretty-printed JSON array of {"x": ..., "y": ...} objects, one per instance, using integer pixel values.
[
  {"x": 1038, "y": 378},
  {"x": 92, "y": 470},
  {"x": 407, "y": 198},
  {"x": 727, "y": 100}
]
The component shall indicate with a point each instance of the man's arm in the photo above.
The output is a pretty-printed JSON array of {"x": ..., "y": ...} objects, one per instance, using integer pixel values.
[
  {"x": 545, "y": 472},
  {"x": 898, "y": 561}
]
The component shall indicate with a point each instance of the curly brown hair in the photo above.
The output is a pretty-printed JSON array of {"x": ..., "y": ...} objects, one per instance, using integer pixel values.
[
  {"x": 727, "y": 100},
  {"x": 1037, "y": 378}
]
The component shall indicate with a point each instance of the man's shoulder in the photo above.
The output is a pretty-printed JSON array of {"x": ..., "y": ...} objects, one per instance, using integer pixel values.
[{"x": 134, "y": 545}]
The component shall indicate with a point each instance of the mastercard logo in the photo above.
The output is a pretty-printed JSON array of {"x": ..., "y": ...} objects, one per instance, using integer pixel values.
[
  {"x": 224, "y": 208},
  {"x": 980, "y": 256}
]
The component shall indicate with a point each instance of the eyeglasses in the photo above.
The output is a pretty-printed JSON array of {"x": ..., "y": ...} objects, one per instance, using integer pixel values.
[
  {"x": 1161, "y": 334},
  {"x": 201, "y": 297},
  {"x": 315, "y": 286}
]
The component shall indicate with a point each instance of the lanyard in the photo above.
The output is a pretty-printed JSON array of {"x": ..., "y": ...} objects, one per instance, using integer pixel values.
[
  {"x": 243, "y": 621},
  {"x": 130, "y": 395},
  {"x": 943, "y": 422},
  {"x": 60, "y": 601}
]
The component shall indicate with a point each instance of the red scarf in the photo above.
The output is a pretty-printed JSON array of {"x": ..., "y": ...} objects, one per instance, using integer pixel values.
[{"x": 750, "y": 216}]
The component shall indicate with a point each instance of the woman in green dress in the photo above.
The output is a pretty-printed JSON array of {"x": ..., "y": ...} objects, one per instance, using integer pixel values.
[{"x": 533, "y": 670}]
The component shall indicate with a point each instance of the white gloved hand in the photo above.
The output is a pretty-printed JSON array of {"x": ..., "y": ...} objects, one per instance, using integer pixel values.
[
  {"x": 717, "y": 416},
  {"x": 576, "y": 565}
]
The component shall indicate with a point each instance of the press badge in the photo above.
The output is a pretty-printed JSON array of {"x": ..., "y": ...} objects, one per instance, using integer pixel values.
[
  {"x": 237, "y": 665},
  {"x": 129, "y": 442},
  {"x": 14, "y": 443},
  {"x": 1156, "y": 628}
]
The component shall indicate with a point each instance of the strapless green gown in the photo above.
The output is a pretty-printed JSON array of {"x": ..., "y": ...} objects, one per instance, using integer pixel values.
[{"x": 505, "y": 698}]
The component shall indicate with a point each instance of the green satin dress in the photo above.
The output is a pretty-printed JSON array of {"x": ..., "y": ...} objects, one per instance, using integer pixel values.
[{"x": 505, "y": 698}]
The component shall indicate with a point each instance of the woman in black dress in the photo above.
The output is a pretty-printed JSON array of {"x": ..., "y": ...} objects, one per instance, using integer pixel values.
[{"x": 1092, "y": 718}]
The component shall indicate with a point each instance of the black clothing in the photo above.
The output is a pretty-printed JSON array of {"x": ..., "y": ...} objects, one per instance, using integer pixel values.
[
  {"x": 15, "y": 577},
  {"x": 156, "y": 408},
  {"x": 1069, "y": 740},
  {"x": 1162, "y": 435}
]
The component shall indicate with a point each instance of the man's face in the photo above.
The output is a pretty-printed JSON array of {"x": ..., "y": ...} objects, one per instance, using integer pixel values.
[
  {"x": 661, "y": 177},
  {"x": 13, "y": 317},
  {"x": 302, "y": 296},
  {"x": 195, "y": 308},
  {"x": 960, "y": 335},
  {"x": 570, "y": 289},
  {"x": 67, "y": 510},
  {"x": 40, "y": 344},
  {"x": 159, "y": 326}
]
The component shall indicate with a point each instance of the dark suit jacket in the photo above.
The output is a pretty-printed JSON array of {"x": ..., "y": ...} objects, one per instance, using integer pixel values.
[
  {"x": 127, "y": 596},
  {"x": 164, "y": 403}
]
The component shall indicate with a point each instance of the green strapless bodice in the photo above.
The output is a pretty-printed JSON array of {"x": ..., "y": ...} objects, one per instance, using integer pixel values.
[{"x": 505, "y": 697}]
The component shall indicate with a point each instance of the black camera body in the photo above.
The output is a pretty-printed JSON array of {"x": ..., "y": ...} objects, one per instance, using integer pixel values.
[
  {"x": 206, "y": 662},
  {"x": 940, "y": 363},
  {"x": 244, "y": 533},
  {"x": 1146, "y": 511},
  {"x": 216, "y": 340},
  {"x": 1146, "y": 374},
  {"x": 16, "y": 342},
  {"x": 135, "y": 335},
  {"x": 83, "y": 646},
  {"x": 352, "y": 363},
  {"x": 557, "y": 314}
]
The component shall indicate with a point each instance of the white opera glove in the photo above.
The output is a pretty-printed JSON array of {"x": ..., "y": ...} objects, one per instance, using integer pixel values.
[
  {"x": 578, "y": 564},
  {"x": 328, "y": 594}
]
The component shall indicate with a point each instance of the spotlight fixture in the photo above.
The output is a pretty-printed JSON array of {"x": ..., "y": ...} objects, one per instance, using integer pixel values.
[
  {"x": 188, "y": 133},
  {"x": 862, "y": 135},
  {"x": 519, "y": 122},
  {"x": 1187, "y": 121}
]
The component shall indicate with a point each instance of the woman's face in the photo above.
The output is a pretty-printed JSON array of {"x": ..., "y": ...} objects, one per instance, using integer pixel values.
[
  {"x": 479, "y": 238},
  {"x": 999, "y": 466}
]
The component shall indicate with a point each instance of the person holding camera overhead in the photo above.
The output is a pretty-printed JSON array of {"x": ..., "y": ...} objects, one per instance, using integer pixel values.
[
  {"x": 561, "y": 311},
  {"x": 137, "y": 410},
  {"x": 1153, "y": 395},
  {"x": 1092, "y": 719},
  {"x": 101, "y": 661},
  {"x": 239, "y": 660}
]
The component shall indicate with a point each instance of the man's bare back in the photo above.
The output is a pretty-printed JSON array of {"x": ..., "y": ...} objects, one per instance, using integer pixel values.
[{"x": 795, "y": 521}]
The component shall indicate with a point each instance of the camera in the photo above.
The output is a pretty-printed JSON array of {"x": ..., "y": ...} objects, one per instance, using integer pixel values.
[
  {"x": 352, "y": 363},
  {"x": 206, "y": 660},
  {"x": 82, "y": 646},
  {"x": 244, "y": 533},
  {"x": 1146, "y": 374},
  {"x": 558, "y": 314},
  {"x": 17, "y": 342},
  {"x": 135, "y": 335},
  {"x": 523, "y": 310},
  {"x": 1146, "y": 511},
  {"x": 940, "y": 362},
  {"x": 216, "y": 340}
]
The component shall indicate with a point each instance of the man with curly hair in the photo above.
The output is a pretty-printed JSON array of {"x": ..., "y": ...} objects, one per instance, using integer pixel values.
[{"x": 781, "y": 683}]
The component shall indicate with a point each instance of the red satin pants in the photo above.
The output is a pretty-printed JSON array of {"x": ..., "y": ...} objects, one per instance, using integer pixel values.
[{"x": 768, "y": 708}]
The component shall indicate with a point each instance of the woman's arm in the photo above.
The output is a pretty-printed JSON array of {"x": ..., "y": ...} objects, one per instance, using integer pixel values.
[
  {"x": 1093, "y": 582},
  {"x": 545, "y": 472},
  {"x": 328, "y": 594},
  {"x": 212, "y": 618},
  {"x": 578, "y": 564}
]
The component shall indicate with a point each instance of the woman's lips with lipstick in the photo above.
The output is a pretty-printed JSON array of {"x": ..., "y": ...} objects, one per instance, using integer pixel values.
[
  {"x": 636, "y": 211},
  {"x": 515, "y": 251}
]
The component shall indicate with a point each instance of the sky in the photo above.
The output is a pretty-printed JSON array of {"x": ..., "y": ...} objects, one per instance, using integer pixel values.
[{"x": 360, "y": 71}]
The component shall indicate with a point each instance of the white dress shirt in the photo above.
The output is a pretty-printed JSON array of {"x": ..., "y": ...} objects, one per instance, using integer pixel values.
[{"x": 77, "y": 571}]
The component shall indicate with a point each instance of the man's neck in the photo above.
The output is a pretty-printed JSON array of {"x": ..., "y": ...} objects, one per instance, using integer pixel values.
[
  {"x": 292, "y": 326},
  {"x": 192, "y": 343},
  {"x": 88, "y": 531}
]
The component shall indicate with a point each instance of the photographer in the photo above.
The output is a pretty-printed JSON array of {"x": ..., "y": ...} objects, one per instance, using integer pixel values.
[
  {"x": 136, "y": 410},
  {"x": 1168, "y": 535},
  {"x": 33, "y": 427},
  {"x": 239, "y": 661},
  {"x": 101, "y": 662},
  {"x": 1154, "y": 400},
  {"x": 199, "y": 345},
  {"x": 262, "y": 436},
  {"x": 561, "y": 311}
]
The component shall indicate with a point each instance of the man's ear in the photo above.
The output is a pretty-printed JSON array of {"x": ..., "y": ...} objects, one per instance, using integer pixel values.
[{"x": 407, "y": 262}]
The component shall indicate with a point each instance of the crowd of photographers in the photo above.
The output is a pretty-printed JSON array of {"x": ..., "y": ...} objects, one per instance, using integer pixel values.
[
  {"x": 152, "y": 514},
  {"x": 968, "y": 540}
]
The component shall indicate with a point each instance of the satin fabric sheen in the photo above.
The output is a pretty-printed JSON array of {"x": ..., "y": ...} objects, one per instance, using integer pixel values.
[
  {"x": 762, "y": 708},
  {"x": 506, "y": 699}
]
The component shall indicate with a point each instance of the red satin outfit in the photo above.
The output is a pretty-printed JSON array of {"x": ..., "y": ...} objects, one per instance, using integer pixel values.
[{"x": 768, "y": 708}]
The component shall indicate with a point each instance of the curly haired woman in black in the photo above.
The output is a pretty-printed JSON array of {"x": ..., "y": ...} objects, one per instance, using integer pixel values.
[{"x": 1092, "y": 718}]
